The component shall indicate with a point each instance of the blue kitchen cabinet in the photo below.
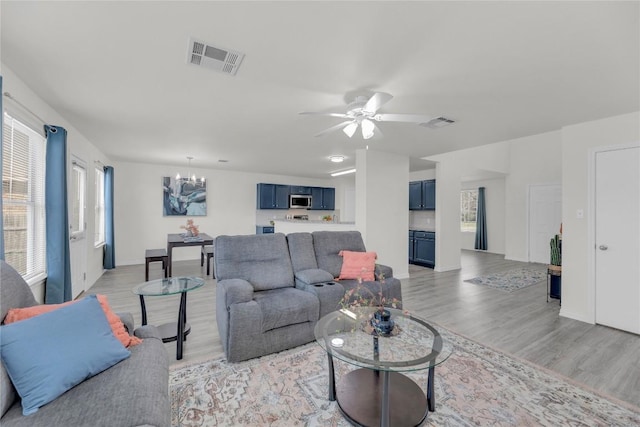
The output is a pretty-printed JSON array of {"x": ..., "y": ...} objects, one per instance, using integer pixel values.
[
  {"x": 265, "y": 229},
  {"x": 415, "y": 195},
  {"x": 424, "y": 249},
  {"x": 273, "y": 196},
  {"x": 299, "y": 190},
  {"x": 323, "y": 198},
  {"x": 411, "y": 246},
  {"x": 422, "y": 195}
]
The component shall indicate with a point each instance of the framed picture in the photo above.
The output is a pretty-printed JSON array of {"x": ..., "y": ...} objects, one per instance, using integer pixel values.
[{"x": 184, "y": 197}]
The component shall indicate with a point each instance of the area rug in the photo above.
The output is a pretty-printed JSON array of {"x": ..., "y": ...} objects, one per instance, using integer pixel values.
[
  {"x": 476, "y": 386},
  {"x": 511, "y": 280}
]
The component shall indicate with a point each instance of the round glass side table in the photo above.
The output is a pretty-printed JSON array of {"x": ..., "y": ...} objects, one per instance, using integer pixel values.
[{"x": 174, "y": 331}]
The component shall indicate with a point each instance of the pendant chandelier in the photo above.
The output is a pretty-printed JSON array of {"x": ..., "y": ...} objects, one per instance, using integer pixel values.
[{"x": 191, "y": 178}]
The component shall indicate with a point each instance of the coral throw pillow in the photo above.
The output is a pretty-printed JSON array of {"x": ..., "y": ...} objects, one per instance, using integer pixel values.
[
  {"x": 358, "y": 265},
  {"x": 17, "y": 314}
]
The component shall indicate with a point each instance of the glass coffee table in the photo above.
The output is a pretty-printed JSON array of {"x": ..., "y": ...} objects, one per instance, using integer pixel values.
[
  {"x": 378, "y": 393},
  {"x": 174, "y": 331}
]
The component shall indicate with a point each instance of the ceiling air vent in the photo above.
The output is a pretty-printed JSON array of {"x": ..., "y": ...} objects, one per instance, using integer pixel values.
[
  {"x": 204, "y": 55},
  {"x": 438, "y": 122}
]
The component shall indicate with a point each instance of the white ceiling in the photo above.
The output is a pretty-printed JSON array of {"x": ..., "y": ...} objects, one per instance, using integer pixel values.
[{"x": 117, "y": 72}]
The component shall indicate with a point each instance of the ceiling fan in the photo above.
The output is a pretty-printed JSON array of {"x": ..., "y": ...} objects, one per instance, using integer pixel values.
[{"x": 363, "y": 113}]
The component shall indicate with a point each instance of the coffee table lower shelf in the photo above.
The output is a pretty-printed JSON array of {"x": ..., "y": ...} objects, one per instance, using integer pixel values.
[
  {"x": 169, "y": 331},
  {"x": 360, "y": 396}
]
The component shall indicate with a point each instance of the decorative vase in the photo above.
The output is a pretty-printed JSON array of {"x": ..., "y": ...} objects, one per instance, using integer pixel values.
[{"x": 382, "y": 322}]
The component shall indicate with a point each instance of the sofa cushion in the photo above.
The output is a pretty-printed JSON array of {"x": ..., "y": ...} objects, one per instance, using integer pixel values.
[
  {"x": 301, "y": 250},
  {"x": 51, "y": 353},
  {"x": 358, "y": 265},
  {"x": 133, "y": 392},
  {"x": 14, "y": 292},
  {"x": 328, "y": 244},
  {"x": 120, "y": 332},
  {"x": 286, "y": 306},
  {"x": 262, "y": 260}
]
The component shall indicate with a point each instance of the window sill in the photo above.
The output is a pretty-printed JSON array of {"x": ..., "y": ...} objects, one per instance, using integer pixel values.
[
  {"x": 37, "y": 280},
  {"x": 99, "y": 245}
]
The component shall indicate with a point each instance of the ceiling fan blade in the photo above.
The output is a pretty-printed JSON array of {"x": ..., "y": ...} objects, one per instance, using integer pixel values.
[
  {"x": 377, "y": 133},
  {"x": 334, "y": 128},
  {"x": 406, "y": 118},
  {"x": 315, "y": 113},
  {"x": 350, "y": 129},
  {"x": 376, "y": 101}
]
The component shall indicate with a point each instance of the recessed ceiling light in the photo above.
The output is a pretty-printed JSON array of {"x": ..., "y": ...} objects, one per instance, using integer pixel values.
[
  {"x": 336, "y": 159},
  {"x": 343, "y": 172}
]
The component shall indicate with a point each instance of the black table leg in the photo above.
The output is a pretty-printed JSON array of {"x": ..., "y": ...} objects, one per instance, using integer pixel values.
[
  {"x": 169, "y": 250},
  {"x": 144, "y": 311},
  {"x": 332, "y": 379},
  {"x": 384, "y": 412},
  {"x": 431, "y": 397},
  {"x": 182, "y": 319}
]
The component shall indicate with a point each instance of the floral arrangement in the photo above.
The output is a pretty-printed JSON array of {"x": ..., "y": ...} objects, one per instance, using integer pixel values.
[
  {"x": 362, "y": 296},
  {"x": 192, "y": 229}
]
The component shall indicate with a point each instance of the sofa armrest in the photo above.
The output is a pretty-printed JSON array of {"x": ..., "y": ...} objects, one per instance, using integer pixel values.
[
  {"x": 234, "y": 291},
  {"x": 127, "y": 321},
  {"x": 313, "y": 276},
  {"x": 383, "y": 271},
  {"x": 147, "y": 331}
]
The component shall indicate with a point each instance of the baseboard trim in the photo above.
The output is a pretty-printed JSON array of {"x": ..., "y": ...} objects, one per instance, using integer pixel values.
[{"x": 575, "y": 316}]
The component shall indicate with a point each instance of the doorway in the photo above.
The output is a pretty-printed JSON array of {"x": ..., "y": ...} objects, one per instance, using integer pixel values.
[
  {"x": 78, "y": 226},
  {"x": 545, "y": 217},
  {"x": 617, "y": 237}
]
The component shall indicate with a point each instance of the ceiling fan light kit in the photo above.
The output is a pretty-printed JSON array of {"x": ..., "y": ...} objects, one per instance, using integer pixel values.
[{"x": 363, "y": 113}]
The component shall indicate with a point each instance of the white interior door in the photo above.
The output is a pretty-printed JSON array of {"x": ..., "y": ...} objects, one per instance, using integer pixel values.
[
  {"x": 545, "y": 217},
  {"x": 78, "y": 226},
  {"x": 617, "y": 238}
]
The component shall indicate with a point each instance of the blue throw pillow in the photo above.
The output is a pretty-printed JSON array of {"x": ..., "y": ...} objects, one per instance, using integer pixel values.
[{"x": 49, "y": 354}]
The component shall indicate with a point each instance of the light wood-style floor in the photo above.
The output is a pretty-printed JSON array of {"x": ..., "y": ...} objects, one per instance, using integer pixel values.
[{"x": 520, "y": 323}]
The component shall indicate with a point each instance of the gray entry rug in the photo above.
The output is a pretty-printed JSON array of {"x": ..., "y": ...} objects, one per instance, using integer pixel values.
[
  {"x": 511, "y": 280},
  {"x": 476, "y": 386}
]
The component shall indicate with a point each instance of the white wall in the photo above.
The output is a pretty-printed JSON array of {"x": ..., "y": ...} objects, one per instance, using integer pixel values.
[
  {"x": 77, "y": 145},
  {"x": 231, "y": 207},
  {"x": 534, "y": 159},
  {"x": 382, "y": 201},
  {"x": 495, "y": 209},
  {"x": 577, "y": 262}
]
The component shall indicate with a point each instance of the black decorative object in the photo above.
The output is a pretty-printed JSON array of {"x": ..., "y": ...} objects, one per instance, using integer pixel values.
[{"x": 382, "y": 322}]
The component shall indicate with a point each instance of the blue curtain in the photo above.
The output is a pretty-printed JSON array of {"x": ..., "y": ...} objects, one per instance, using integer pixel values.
[
  {"x": 58, "y": 284},
  {"x": 481, "y": 222},
  {"x": 109, "y": 248},
  {"x": 1, "y": 195}
]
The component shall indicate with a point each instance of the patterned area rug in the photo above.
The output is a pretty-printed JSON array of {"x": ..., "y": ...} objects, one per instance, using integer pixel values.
[
  {"x": 511, "y": 280},
  {"x": 476, "y": 386}
]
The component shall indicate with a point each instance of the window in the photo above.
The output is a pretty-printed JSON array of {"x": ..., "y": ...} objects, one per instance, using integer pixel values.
[
  {"x": 468, "y": 208},
  {"x": 23, "y": 166},
  {"x": 77, "y": 224},
  {"x": 99, "y": 208}
]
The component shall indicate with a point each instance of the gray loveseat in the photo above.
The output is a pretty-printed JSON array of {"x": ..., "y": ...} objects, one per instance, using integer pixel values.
[
  {"x": 133, "y": 392},
  {"x": 272, "y": 289}
]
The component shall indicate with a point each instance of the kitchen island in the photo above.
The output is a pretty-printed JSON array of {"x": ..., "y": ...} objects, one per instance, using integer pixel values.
[{"x": 300, "y": 226}]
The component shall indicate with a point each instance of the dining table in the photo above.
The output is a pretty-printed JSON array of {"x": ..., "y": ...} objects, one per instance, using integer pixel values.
[{"x": 176, "y": 240}]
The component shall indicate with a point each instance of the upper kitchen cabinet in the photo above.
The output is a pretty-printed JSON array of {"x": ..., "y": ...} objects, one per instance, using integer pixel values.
[
  {"x": 323, "y": 199},
  {"x": 422, "y": 195},
  {"x": 273, "y": 196},
  {"x": 299, "y": 190}
]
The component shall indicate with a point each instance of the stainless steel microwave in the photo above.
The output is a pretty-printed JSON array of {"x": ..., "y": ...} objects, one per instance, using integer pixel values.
[{"x": 299, "y": 201}]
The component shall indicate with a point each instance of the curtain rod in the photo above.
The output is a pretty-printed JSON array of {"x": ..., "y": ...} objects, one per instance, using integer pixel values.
[{"x": 24, "y": 107}]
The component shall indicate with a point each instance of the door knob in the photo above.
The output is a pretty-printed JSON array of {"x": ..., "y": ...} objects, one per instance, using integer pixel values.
[{"x": 603, "y": 247}]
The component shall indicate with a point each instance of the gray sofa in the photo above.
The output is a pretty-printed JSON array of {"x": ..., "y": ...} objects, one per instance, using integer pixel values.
[
  {"x": 133, "y": 392},
  {"x": 272, "y": 289}
]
